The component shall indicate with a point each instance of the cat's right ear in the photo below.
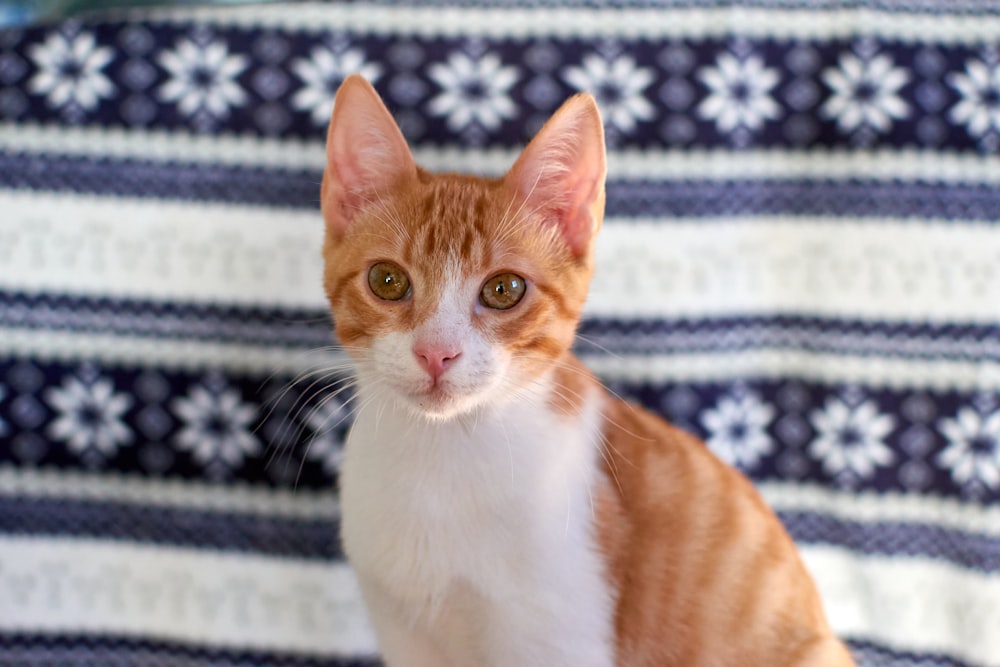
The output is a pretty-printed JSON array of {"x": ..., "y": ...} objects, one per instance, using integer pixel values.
[{"x": 366, "y": 154}]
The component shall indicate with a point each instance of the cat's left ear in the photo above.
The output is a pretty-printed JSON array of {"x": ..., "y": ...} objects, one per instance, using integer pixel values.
[
  {"x": 366, "y": 154},
  {"x": 561, "y": 172}
]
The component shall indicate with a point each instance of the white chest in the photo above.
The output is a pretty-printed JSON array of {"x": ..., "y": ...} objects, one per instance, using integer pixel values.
[{"x": 480, "y": 531}]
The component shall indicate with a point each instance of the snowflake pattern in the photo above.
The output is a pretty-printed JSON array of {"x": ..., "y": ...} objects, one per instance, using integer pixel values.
[
  {"x": 737, "y": 429},
  {"x": 216, "y": 426},
  {"x": 70, "y": 71},
  {"x": 618, "y": 85},
  {"x": 202, "y": 78},
  {"x": 89, "y": 416},
  {"x": 474, "y": 90},
  {"x": 973, "y": 452},
  {"x": 979, "y": 107},
  {"x": 475, "y": 86},
  {"x": 322, "y": 73},
  {"x": 739, "y": 93},
  {"x": 865, "y": 93},
  {"x": 850, "y": 437}
]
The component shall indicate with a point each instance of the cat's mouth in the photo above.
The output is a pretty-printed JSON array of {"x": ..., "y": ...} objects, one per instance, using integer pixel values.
[{"x": 438, "y": 400}]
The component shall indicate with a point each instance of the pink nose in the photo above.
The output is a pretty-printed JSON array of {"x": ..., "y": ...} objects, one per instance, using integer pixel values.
[{"x": 435, "y": 358}]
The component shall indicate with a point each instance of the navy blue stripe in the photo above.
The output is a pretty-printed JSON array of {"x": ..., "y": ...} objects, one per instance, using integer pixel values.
[
  {"x": 170, "y": 180},
  {"x": 299, "y": 188},
  {"x": 306, "y": 328},
  {"x": 978, "y": 552},
  {"x": 855, "y": 199},
  {"x": 319, "y": 538},
  {"x": 291, "y": 327},
  {"x": 870, "y": 654},
  {"x": 67, "y": 650},
  {"x": 227, "y": 531},
  {"x": 36, "y": 650},
  {"x": 904, "y": 340}
]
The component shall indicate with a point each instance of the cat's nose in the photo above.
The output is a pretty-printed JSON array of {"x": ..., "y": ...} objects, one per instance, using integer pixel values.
[{"x": 435, "y": 358}]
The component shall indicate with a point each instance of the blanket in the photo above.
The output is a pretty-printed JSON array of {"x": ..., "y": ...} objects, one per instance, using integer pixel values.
[{"x": 800, "y": 264}]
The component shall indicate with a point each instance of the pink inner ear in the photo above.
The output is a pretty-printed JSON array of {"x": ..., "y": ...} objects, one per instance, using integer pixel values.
[
  {"x": 561, "y": 172},
  {"x": 366, "y": 153}
]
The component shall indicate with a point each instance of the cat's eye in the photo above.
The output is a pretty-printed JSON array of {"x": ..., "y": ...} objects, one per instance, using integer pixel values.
[
  {"x": 502, "y": 291},
  {"x": 388, "y": 281}
]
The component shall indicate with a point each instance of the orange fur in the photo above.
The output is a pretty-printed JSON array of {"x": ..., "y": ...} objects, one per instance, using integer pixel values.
[{"x": 701, "y": 571}]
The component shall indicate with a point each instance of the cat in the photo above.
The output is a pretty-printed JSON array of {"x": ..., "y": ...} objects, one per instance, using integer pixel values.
[{"x": 499, "y": 507}]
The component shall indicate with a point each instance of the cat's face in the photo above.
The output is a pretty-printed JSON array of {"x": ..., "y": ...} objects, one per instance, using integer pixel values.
[{"x": 453, "y": 291}]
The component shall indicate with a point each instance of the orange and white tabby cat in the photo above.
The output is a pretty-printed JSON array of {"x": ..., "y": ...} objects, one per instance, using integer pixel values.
[{"x": 499, "y": 507}]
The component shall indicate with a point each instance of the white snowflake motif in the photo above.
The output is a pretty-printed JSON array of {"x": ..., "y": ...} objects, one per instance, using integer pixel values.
[
  {"x": 322, "y": 73},
  {"x": 737, "y": 429},
  {"x": 979, "y": 108},
  {"x": 865, "y": 93},
  {"x": 739, "y": 93},
  {"x": 618, "y": 86},
  {"x": 973, "y": 451},
  {"x": 473, "y": 91},
  {"x": 89, "y": 416},
  {"x": 70, "y": 71},
  {"x": 327, "y": 423},
  {"x": 202, "y": 77},
  {"x": 850, "y": 437},
  {"x": 216, "y": 426}
]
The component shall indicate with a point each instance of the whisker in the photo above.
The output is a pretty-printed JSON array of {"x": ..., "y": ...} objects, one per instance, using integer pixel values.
[{"x": 594, "y": 343}]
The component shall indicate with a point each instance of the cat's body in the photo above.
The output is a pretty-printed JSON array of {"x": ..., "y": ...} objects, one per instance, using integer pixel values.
[{"x": 499, "y": 507}]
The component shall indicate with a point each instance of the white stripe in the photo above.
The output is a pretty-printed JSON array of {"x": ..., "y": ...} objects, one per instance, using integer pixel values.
[
  {"x": 937, "y": 375},
  {"x": 261, "y": 603},
  {"x": 868, "y": 507},
  {"x": 881, "y": 269},
  {"x": 693, "y": 23},
  {"x": 113, "y": 247},
  {"x": 909, "y": 604},
  {"x": 217, "y": 599},
  {"x": 876, "y": 268},
  {"x": 232, "y": 498},
  {"x": 817, "y": 163}
]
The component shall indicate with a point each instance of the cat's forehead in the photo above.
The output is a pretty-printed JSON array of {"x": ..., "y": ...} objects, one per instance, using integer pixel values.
[{"x": 457, "y": 218}]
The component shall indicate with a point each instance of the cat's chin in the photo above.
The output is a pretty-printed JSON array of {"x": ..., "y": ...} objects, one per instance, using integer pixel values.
[{"x": 438, "y": 404}]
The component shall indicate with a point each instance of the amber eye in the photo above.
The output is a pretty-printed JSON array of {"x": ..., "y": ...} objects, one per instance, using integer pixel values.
[
  {"x": 502, "y": 291},
  {"x": 388, "y": 281}
]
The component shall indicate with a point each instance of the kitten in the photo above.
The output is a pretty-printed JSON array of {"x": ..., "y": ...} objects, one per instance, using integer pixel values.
[{"x": 499, "y": 508}]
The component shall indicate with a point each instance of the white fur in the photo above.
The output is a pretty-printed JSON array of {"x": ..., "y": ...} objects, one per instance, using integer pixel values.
[{"x": 472, "y": 533}]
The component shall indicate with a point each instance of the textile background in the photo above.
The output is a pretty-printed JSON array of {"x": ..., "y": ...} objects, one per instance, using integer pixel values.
[{"x": 800, "y": 263}]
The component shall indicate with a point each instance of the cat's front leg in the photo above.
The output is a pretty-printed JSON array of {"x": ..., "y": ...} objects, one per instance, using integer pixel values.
[{"x": 401, "y": 644}]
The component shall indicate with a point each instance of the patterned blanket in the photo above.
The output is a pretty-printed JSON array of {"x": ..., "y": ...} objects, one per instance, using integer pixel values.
[{"x": 801, "y": 264}]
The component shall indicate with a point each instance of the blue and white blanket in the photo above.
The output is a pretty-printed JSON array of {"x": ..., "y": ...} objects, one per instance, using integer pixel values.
[{"x": 800, "y": 263}]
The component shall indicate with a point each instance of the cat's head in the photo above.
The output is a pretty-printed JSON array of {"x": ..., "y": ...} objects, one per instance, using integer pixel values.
[{"x": 454, "y": 291}]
